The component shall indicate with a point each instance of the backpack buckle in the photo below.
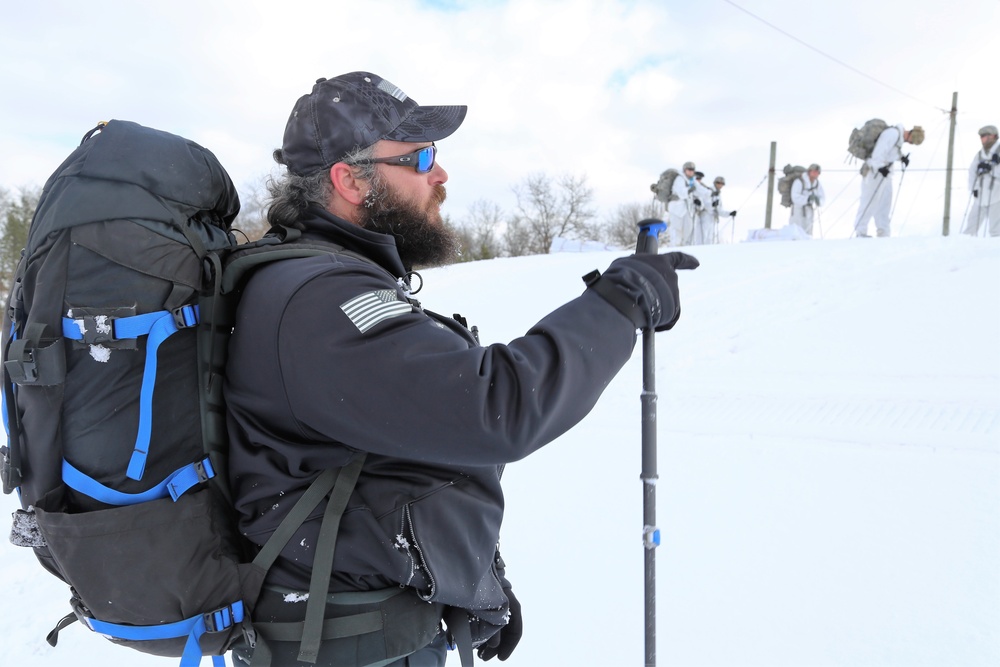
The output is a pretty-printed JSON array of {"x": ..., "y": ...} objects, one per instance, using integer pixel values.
[
  {"x": 224, "y": 617},
  {"x": 98, "y": 332},
  {"x": 185, "y": 317}
]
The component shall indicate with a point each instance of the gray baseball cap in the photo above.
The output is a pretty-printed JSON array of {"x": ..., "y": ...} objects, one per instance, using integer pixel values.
[
  {"x": 987, "y": 129},
  {"x": 354, "y": 111}
]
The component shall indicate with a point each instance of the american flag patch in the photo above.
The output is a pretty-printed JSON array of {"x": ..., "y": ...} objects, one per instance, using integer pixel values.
[{"x": 370, "y": 308}]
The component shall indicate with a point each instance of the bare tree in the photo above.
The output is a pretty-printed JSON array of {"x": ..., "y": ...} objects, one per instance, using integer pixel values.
[
  {"x": 621, "y": 227},
  {"x": 252, "y": 218},
  {"x": 517, "y": 238},
  {"x": 478, "y": 231},
  {"x": 548, "y": 209},
  {"x": 16, "y": 212}
]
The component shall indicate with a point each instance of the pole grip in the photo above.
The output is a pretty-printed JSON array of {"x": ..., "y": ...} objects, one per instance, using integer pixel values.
[{"x": 649, "y": 232}]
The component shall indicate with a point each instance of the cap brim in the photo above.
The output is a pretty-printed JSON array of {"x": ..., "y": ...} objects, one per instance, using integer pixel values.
[{"x": 428, "y": 124}]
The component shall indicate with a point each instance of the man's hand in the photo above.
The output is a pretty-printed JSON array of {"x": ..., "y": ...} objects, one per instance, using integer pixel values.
[
  {"x": 732, "y": 214},
  {"x": 697, "y": 202},
  {"x": 884, "y": 171},
  {"x": 503, "y": 643},
  {"x": 905, "y": 159}
]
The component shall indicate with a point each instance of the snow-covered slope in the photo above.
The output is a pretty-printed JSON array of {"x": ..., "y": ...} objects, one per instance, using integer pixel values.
[{"x": 829, "y": 459}]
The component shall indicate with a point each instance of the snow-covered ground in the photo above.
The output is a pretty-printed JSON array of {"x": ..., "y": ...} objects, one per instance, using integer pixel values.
[{"x": 829, "y": 459}]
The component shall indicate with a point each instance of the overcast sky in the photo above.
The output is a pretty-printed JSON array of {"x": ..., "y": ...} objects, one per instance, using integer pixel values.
[{"x": 615, "y": 90}]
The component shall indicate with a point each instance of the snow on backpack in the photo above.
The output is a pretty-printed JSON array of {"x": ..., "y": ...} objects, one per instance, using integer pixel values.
[
  {"x": 663, "y": 188},
  {"x": 115, "y": 339},
  {"x": 862, "y": 141},
  {"x": 785, "y": 182}
]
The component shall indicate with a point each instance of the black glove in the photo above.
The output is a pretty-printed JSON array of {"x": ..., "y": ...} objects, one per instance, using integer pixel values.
[
  {"x": 697, "y": 202},
  {"x": 996, "y": 158},
  {"x": 715, "y": 204},
  {"x": 644, "y": 288},
  {"x": 975, "y": 193},
  {"x": 502, "y": 644},
  {"x": 905, "y": 159},
  {"x": 732, "y": 214},
  {"x": 984, "y": 167},
  {"x": 884, "y": 171}
]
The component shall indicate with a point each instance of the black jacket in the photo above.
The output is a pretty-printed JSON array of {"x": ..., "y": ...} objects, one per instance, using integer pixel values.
[{"x": 311, "y": 381}]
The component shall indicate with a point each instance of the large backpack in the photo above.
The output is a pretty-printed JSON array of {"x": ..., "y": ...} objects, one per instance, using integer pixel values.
[
  {"x": 663, "y": 189},
  {"x": 862, "y": 141},
  {"x": 785, "y": 182},
  {"x": 115, "y": 339}
]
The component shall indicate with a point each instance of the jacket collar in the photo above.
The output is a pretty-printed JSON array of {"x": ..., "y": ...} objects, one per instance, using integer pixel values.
[{"x": 320, "y": 224}]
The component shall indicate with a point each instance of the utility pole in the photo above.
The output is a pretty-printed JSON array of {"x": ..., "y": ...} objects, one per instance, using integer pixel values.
[
  {"x": 947, "y": 175},
  {"x": 770, "y": 185}
]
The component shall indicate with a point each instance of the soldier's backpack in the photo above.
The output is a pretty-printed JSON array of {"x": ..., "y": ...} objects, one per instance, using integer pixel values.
[
  {"x": 663, "y": 188},
  {"x": 785, "y": 182},
  {"x": 862, "y": 141},
  {"x": 115, "y": 338}
]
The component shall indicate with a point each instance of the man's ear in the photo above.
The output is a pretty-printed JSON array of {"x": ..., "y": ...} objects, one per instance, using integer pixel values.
[{"x": 347, "y": 185}]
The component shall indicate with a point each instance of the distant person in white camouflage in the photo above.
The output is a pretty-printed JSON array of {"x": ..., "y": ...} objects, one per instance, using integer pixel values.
[
  {"x": 876, "y": 184},
  {"x": 708, "y": 221},
  {"x": 704, "y": 221},
  {"x": 807, "y": 196},
  {"x": 683, "y": 209},
  {"x": 984, "y": 185}
]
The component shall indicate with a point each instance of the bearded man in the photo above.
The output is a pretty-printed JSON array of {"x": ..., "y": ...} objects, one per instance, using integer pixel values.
[{"x": 333, "y": 366}]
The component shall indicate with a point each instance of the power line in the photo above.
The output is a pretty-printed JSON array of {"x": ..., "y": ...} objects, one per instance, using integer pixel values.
[{"x": 839, "y": 62}]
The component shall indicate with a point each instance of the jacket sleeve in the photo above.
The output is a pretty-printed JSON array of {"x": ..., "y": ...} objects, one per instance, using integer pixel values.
[{"x": 411, "y": 388}]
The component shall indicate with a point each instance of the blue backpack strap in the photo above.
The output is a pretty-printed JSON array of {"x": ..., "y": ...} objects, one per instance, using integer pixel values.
[
  {"x": 158, "y": 327},
  {"x": 193, "y": 628},
  {"x": 174, "y": 486}
]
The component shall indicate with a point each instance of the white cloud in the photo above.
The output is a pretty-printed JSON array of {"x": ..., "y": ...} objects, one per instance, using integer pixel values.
[{"x": 616, "y": 90}]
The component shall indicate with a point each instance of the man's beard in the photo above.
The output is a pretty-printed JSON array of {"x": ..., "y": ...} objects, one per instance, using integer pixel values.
[{"x": 422, "y": 238}]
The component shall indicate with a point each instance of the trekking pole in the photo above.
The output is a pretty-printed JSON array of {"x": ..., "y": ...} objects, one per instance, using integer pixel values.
[
  {"x": 902, "y": 175},
  {"x": 989, "y": 203},
  {"x": 868, "y": 205},
  {"x": 965, "y": 216},
  {"x": 649, "y": 231}
]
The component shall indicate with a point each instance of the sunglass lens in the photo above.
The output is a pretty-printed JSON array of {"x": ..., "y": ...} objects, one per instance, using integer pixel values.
[{"x": 425, "y": 160}]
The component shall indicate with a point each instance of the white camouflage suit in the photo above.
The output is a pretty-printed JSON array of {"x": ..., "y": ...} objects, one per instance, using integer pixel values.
[
  {"x": 682, "y": 211},
  {"x": 708, "y": 217},
  {"x": 876, "y": 190},
  {"x": 803, "y": 208},
  {"x": 985, "y": 186}
]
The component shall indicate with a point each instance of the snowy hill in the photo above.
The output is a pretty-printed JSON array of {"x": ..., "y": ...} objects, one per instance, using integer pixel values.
[{"x": 829, "y": 459}]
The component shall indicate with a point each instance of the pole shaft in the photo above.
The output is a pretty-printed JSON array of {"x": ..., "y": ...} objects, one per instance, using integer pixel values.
[
  {"x": 649, "y": 476},
  {"x": 648, "y": 244}
]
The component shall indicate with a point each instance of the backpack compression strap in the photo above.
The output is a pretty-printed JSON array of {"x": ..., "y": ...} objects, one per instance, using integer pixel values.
[
  {"x": 192, "y": 628},
  {"x": 158, "y": 326}
]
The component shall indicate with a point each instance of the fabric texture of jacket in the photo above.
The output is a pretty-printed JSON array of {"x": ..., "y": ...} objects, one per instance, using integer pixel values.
[{"x": 330, "y": 356}]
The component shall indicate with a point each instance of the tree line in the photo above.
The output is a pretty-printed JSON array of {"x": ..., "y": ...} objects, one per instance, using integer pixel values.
[{"x": 546, "y": 207}]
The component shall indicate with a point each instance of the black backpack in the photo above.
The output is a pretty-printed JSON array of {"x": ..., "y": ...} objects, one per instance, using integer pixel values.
[{"x": 115, "y": 339}]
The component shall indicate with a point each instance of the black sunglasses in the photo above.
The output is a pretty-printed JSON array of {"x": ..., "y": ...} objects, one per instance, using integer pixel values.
[{"x": 422, "y": 159}]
